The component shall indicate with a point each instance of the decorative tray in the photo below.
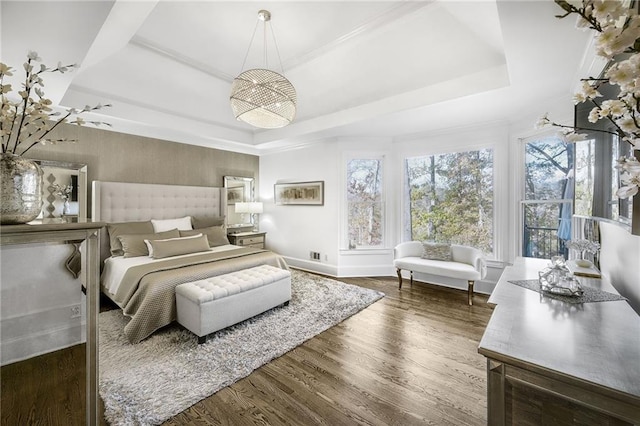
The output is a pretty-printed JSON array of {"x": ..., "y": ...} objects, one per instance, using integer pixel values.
[{"x": 558, "y": 279}]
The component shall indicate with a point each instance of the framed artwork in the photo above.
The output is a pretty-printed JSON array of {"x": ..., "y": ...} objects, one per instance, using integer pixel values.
[
  {"x": 299, "y": 193},
  {"x": 235, "y": 194}
]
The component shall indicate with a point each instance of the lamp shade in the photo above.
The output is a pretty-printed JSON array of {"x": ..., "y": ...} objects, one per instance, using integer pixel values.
[
  {"x": 253, "y": 207},
  {"x": 263, "y": 98}
]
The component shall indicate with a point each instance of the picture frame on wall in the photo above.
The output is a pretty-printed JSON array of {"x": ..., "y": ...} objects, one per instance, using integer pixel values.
[
  {"x": 299, "y": 193},
  {"x": 235, "y": 195}
]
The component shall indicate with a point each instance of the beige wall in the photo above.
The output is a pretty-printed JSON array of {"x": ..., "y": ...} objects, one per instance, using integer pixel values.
[{"x": 112, "y": 156}]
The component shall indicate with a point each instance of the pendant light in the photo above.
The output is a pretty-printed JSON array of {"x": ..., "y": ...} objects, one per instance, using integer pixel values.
[{"x": 261, "y": 97}]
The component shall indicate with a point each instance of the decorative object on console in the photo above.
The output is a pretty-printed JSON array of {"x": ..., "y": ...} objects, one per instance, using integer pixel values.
[
  {"x": 590, "y": 294},
  {"x": 261, "y": 97},
  {"x": 590, "y": 271},
  {"x": 299, "y": 193},
  {"x": 558, "y": 279},
  {"x": 26, "y": 122},
  {"x": 253, "y": 208},
  {"x": 21, "y": 190},
  {"x": 583, "y": 247}
]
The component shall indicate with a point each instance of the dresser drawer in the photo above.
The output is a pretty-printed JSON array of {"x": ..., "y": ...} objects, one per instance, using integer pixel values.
[{"x": 247, "y": 241}]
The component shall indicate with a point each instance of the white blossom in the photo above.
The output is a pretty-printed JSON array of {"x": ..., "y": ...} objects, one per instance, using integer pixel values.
[
  {"x": 627, "y": 124},
  {"x": 612, "y": 107},
  {"x": 631, "y": 181},
  {"x": 573, "y": 137},
  {"x": 618, "y": 30},
  {"x": 543, "y": 121},
  {"x": 587, "y": 91},
  {"x": 27, "y": 122}
]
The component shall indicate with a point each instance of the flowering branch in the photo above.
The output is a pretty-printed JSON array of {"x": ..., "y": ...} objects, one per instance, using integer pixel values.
[
  {"x": 618, "y": 32},
  {"x": 584, "y": 246},
  {"x": 29, "y": 121}
]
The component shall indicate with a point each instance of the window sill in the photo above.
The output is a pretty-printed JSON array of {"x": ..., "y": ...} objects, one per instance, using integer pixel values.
[{"x": 365, "y": 251}]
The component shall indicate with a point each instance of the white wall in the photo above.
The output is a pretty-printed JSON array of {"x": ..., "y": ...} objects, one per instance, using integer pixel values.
[
  {"x": 620, "y": 261},
  {"x": 293, "y": 231}
]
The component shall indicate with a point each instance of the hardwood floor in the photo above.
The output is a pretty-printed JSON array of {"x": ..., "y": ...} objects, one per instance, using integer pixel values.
[{"x": 410, "y": 358}]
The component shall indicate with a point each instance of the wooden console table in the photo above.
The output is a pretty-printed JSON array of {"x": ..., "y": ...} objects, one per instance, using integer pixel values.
[
  {"x": 73, "y": 233},
  {"x": 550, "y": 362}
]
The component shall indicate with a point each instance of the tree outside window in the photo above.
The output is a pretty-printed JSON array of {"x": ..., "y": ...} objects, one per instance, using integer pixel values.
[
  {"x": 450, "y": 198},
  {"x": 548, "y": 193},
  {"x": 365, "y": 206}
]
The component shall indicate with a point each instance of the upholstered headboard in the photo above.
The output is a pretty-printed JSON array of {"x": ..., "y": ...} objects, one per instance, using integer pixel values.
[
  {"x": 125, "y": 202},
  {"x": 121, "y": 202}
]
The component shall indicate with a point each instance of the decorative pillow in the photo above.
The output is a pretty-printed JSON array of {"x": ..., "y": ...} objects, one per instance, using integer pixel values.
[
  {"x": 182, "y": 224},
  {"x": 121, "y": 228},
  {"x": 200, "y": 222},
  {"x": 436, "y": 251},
  {"x": 134, "y": 245},
  {"x": 217, "y": 235},
  {"x": 176, "y": 246}
]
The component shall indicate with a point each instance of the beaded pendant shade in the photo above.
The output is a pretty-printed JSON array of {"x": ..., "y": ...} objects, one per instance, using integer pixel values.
[{"x": 261, "y": 97}]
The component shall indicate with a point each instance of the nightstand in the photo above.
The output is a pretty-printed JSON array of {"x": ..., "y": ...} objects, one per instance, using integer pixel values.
[{"x": 248, "y": 239}]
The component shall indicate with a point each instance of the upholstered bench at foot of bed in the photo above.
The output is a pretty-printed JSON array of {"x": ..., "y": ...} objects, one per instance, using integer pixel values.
[{"x": 218, "y": 302}]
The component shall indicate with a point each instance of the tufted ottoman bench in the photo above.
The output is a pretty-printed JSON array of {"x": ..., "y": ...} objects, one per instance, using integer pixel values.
[{"x": 209, "y": 305}]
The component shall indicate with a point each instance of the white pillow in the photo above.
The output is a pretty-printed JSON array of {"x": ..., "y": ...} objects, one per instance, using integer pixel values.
[
  {"x": 181, "y": 224},
  {"x": 150, "y": 247}
]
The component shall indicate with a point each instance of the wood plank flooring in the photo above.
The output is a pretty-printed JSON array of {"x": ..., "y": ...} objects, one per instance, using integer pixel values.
[{"x": 408, "y": 359}]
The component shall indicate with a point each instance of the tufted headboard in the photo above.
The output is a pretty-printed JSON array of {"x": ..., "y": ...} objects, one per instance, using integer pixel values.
[{"x": 124, "y": 202}]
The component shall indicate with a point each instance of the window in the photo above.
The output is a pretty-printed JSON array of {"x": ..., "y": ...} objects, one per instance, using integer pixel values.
[
  {"x": 597, "y": 179},
  {"x": 449, "y": 198},
  {"x": 548, "y": 197},
  {"x": 365, "y": 203}
]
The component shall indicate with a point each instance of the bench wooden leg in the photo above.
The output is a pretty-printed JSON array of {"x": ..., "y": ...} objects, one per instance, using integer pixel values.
[
  {"x": 399, "y": 272},
  {"x": 470, "y": 291},
  {"x": 411, "y": 281}
]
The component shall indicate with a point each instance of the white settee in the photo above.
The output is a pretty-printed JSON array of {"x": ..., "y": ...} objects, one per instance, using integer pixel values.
[{"x": 467, "y": 263}]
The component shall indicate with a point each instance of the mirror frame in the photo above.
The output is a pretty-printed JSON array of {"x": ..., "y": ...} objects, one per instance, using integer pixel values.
[
  {"x": 76, "y": 168},
  {"x": 247, "y": 195}
]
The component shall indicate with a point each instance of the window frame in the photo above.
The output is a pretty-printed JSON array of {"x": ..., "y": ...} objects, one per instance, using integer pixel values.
[
  {"x": 384, "y": 185},
  {"x": 522, "y": 201},
  {"x": 498, "y": 186}
]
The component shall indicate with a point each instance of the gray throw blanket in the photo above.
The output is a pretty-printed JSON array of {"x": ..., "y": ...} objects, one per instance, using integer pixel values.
[{"x": 147, "y": 292}]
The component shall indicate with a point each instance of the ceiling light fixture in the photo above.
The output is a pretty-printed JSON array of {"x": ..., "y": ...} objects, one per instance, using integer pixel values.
[{"x": 261, "y": 97}]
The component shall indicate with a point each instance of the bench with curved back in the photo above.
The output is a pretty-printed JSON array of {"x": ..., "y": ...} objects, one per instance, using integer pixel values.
[{"x": 467, "y": 263}]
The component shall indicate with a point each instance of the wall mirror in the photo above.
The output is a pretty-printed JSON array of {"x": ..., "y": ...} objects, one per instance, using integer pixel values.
[
  {"x": 62, "y": 180},
  {"x": 239, "y": 190}
]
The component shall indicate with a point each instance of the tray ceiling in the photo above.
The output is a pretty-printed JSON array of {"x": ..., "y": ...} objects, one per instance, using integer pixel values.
[{"x": 381, "y": 68}]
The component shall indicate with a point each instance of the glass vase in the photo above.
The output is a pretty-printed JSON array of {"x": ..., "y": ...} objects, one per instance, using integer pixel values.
[{"x": 21, "y": 189}]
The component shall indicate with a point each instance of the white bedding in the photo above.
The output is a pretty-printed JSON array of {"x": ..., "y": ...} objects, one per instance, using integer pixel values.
[{"x": 116, "y": 267}]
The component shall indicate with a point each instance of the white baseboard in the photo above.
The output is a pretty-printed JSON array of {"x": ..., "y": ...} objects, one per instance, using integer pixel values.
[
  {"x": 485, "y": 286},
  {"x": 312, "y": 266},
  {"x": 38, "y": 333}
]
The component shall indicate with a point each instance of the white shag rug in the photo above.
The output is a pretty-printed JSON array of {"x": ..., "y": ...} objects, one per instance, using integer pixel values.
[{"x": 149, "y": 382}]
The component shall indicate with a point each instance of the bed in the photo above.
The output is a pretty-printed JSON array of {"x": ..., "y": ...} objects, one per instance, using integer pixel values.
[{"x": 142, "y": 286}]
